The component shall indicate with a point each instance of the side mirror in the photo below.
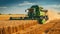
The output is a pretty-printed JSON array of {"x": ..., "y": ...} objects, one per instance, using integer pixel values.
[{"x": 25, "y": 10}]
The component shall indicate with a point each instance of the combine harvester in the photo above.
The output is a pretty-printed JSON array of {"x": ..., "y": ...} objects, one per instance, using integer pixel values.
[
  {"x": 29, "y": 24},
  {"x": 34, "y": 13}
]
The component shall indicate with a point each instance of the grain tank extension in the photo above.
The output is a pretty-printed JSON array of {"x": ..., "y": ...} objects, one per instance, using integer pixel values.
[{"x": 34, "y": 13}]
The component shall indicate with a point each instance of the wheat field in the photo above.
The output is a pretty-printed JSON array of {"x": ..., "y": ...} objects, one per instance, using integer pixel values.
[{"x": 52, "y": 26}]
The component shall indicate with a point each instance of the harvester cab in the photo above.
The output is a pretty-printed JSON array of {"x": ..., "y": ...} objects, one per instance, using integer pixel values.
[{"x": 34, "y": 13}]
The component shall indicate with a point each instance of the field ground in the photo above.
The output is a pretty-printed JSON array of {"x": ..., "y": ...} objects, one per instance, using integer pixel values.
[{"x": 7, "y": 26}]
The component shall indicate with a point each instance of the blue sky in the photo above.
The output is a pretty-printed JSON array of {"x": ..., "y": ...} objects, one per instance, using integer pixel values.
[{"x": 19, "y": 6}]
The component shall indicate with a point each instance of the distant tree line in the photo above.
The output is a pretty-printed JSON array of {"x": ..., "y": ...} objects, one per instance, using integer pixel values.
[
  {"x": 0, "y": 13},
  {"x": 9, "y": 14},
  {"x": 59, "y": 13}
]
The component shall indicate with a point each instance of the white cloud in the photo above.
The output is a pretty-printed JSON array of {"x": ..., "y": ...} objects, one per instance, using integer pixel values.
[
  {"x": 54, "y": 7},
  {"x": 26, "y": 3},
  {"x": 51, "y": 6},
  {"x": 3, "y": 7},
  {"x": 15, "y": 10}
]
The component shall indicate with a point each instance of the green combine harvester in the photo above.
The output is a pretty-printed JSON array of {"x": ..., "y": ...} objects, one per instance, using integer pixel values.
[{"x": 34, "y": 13}]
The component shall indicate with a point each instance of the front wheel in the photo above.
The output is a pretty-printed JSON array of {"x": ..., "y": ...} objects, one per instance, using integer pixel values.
[{"x": 40, "y": 21}]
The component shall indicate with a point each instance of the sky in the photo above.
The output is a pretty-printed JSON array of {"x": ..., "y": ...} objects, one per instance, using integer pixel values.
[{"x": 19, "y": 6}]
